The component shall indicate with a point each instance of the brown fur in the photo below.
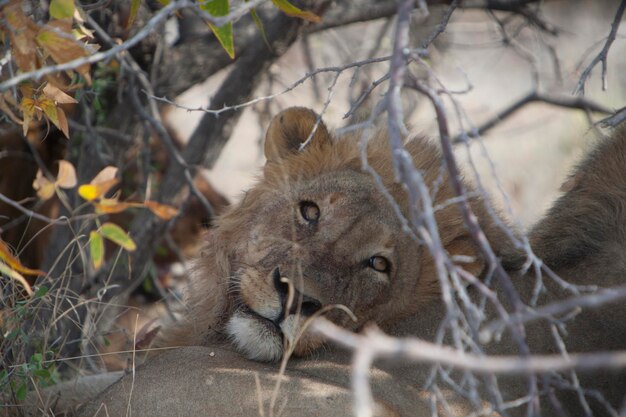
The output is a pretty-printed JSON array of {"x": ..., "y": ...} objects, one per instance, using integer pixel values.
[
  {"x": 583, "y": 239},
  {"x": 265, "y": 231}
]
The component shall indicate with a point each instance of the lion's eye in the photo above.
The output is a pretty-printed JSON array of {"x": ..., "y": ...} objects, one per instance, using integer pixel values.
[
  {"x": 310, "y": 211},
  {"x": 379, "y": 263}
]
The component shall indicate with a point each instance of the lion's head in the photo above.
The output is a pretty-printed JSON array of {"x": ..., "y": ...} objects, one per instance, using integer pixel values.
[{"x": 317, "y": 231}]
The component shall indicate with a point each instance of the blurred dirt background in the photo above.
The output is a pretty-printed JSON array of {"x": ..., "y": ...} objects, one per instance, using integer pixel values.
[{"x": 531, "y": 151}]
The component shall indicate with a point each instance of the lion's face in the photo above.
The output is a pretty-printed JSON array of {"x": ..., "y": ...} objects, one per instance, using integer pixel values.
[
  {"x": 310, "y": 244},
  {"x": 314, "y": 233}
]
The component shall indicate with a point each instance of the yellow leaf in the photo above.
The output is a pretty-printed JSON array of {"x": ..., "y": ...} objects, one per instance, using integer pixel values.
[
  {"x": 81, "y": 32},
  {"x": 118, "y": 236},
  {"x": 96, "y": 249},
  {"x": 66, "y": 178},
  {"x": 61, "y": 9},
  {"x": 44, "y": 187},
  {"x": 57, "y": 95},
  {"x": 161, "y": 210},
  {"x": 6, "y": 270},
  {"x": 292, "y": 10},
  {"x": 134, "y": 8},
  {"x": 28, "y": 113},
  {"x": 91, "y": 192},
  {"x": 50, "y": 110},
  {"x": 14, "y": 263}
]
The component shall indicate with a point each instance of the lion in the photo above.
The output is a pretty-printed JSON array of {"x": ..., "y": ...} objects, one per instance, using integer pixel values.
[
  {"x": 316, "y": 232},
  {"x": 316, "y": 229}
]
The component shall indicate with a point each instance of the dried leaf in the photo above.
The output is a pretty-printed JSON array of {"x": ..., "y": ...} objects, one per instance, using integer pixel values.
[
  {"x": 63, "y": 126},
  {"x": 56, "y": 40},
  {"x": 144, "y": 337},
  {"x": 7, "y": 257},
  {"x": 22, "y": 31},
  {"x": 224, "y": 33},
  {"x": 96, "y": 249},
  {"x": 44, "y": 187},
  {"x": 61, "y": 9},
  {"x": 107, "y": 174},
  {"x": 110, "y": 205},
  {"x": 57, "y": 95},
  {"x": 161, "y": 210},
  {"x": 66, "y": 178},
  {"x": 6, "y": 270},
  {"x": 118, "y": 236},
  {"x": 292, "y": 10},
  {"x": 91, "y": 192}
]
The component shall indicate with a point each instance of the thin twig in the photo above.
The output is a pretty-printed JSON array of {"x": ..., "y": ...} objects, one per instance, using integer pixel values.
[
  {"x": 596, "y": 299},
  {"x": 569, "y": 102},
  {"x": 33, "y": 214},
  {"x": 603, "y": 55},
  {"x": 614, "y": 120},
  {"x": 292, "y": 86}
]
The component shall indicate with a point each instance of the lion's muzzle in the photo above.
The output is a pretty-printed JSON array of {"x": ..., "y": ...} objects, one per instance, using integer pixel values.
[
  {"x": 292, "y": 300},
  {"x": 271, "y": 316}
]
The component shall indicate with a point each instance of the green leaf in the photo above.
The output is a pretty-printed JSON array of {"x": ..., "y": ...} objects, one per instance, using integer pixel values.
[
  {"x": 224, "y": 34},
  {"x": 61, "y": 9},
  {"x": 20, "y": 394},
  {"x": 42, "y": 373},
  {"x": 41, "y": 291},
  {"x": 12, "y": 335},
  {"x": 118, "y": 236},
  {"x": 96, "y": 249},
  {"x": 134, "y": 8},
  {"x": 292, "y": 10},
  {"x": 259, "y": 24}
]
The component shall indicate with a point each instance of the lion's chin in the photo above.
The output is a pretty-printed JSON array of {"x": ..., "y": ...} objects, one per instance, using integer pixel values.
[
  {"x": 261, "y": 339},
  {"x": 257, "y": 338}
]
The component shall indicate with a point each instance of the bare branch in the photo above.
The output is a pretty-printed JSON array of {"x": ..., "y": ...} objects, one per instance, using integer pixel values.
[
  {"x": 596, "y": 299},
  {"x": 534, "y": 97},
  {"x": 603, "y": 55},
  {"x": 211, "y": 110},
  {"x": 30, "y": 213},
  {"x": 613, "y": 121},
  {"x": 380, "y": 345}
]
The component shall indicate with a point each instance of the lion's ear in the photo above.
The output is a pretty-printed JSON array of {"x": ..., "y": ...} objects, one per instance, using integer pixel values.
[{"x": 289, "y": 129}]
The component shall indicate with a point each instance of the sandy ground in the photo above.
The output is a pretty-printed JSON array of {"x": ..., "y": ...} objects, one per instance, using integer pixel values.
[{"x": 530, "y": 153}]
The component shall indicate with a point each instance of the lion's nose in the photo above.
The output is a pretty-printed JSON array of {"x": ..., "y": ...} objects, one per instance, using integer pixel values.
[{"x": 308, "y": 304}]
